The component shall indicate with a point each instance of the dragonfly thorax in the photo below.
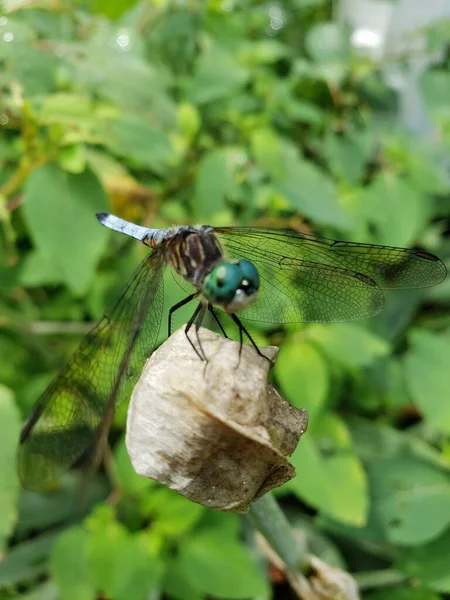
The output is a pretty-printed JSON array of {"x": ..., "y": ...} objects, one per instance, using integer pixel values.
[{"x": 232, "y": 284}]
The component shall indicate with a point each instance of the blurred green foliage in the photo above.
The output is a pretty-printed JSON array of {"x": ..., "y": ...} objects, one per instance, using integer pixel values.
[{"x": 223, "y": 112}]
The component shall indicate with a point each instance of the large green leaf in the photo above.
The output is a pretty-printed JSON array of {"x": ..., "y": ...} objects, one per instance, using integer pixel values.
[
  {"x": 428, "y": 564},
  {"x": 330, "y": 476},
  {"x": 348, "y": 343},
  {"x": 426, "y": 372},
  {"x": 60, "y": 208},
  {"x": 411, "y": 498},
  {"x": 9, "y": 489},
  {"x": 303, "y": 376}
]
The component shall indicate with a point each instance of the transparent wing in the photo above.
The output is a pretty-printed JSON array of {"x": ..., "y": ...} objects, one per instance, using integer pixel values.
[
  {"x": 305, "y": 278},
  {"x": 106, "y": 366}
]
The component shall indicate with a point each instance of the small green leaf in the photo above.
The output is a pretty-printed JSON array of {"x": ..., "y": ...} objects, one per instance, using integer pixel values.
[
  {"x": 329, "y": 46},
  {"x": 60, "y": 208},
  {"x": 327, "y": 42},
  {"x": 70, "y": 567},
  {"x": 426, "y": 371},
  {"x": 217, "y": 76},
  {"x": 330, "y": 476},
  {"x": 172, "y": 514},
  {"x": 303, "y": 376},
  {"x": 9, "y": 489},
  {"x": 220, "y": 567},
  {"x": 349, "y": 344},
  {"x": 73, "y": 158}
]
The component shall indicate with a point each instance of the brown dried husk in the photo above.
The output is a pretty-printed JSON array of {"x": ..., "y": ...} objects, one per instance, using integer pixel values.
[{"x": 216, "y": 432}]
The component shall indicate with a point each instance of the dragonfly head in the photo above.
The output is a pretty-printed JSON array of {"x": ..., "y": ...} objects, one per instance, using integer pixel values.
[{"x": 232, "y": 284}]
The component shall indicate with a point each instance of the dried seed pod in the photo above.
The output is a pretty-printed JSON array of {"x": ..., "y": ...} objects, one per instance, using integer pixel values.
[{"x": 216, "y": 432}]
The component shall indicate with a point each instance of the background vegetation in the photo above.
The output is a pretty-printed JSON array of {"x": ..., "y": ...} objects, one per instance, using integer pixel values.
[{"x": 221, "y": 112}]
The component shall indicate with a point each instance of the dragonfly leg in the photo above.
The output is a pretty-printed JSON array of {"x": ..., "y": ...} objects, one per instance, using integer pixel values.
[
  {"x": 198, "y": 322},
  {"x": 217, "y": 320},
  {"x": 189, "y": 325},
  {"x": 242, "y": 330},
  {"x": 178, "y": 305}
]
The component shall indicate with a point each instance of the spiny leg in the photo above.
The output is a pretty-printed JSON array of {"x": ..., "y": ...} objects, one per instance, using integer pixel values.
[
  {"x": 189, "y": 325},
  {"x": 217, "y": 320},
  {"x": 198, "y": 322},
  {"x": 243, "y": 329},
  {"x": 178, "y": 305}
]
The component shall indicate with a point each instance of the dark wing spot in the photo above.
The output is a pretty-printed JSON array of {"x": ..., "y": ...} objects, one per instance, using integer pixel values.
[{"x": 365, "y": 279}]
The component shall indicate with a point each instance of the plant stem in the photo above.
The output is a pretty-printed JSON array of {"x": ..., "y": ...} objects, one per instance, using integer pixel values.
[
  {"x": 382, "y": 578},
  {"x": 267, "y": 516},
  {"x": 16, "y": 179}
]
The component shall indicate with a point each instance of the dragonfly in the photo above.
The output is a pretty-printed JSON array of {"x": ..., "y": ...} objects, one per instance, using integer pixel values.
[{"x": 262, "y": 274}]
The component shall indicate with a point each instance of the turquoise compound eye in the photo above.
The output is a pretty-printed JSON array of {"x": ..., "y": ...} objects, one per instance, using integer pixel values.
[
  {"x": 221, "y": 284},
  {"x": 231, "y": 283},
  {"x": 250, "y": 277}
]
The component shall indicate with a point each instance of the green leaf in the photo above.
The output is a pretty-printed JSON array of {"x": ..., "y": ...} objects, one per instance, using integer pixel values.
[
  {"x": 328, "y": 42},
  {"x": 348, "y": 343},
  {"x": 348, "y": 154},
  {"x": 70, "y": 567},
  {"x": 9, "y": 489},
  {"x": 330, "y": 476},
  {"x": 136, "y": 572},
  {"x": 411, "y": 498},
  {"x": 435, "y": 85},
  {"x": 303, "y": 376},
  {"x": 397, "y": 209},
  {"x": 172, "y": 514},
  {"x": 217, "y": 76},
  {"x": 121, "y": 563},
  {"x": 403, "y": 592},
  {"x": 126, "y": 476},
  {"x": 41, "y": 511},
  {"x": 329, "y": 46},
  {"x": 426, "y": 371},
  {"x": 428, "y": 564},
  {"x": 112, "y": 8},
  {"x": 220, "y": 567},
  {"x": 60, "y": 209},
  {"x": 308, "y": 189},
  {"x": 215, "y": 181},
  {"x": 39, "y": 269},
  {"x": 26, "y": 561},
  {"x": 374, "y": 440},
  {"x": 141, "y": 143}
]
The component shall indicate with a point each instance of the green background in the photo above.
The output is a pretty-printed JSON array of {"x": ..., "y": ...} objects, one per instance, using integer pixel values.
[{"x": 226, "y": 113}]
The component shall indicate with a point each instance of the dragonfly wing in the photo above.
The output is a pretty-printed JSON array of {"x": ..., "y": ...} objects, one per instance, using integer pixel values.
[
  {"x": 107, "y": 365},
  {"x": 388, "y": 266},
  {"x": 305, "y": 278}
]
